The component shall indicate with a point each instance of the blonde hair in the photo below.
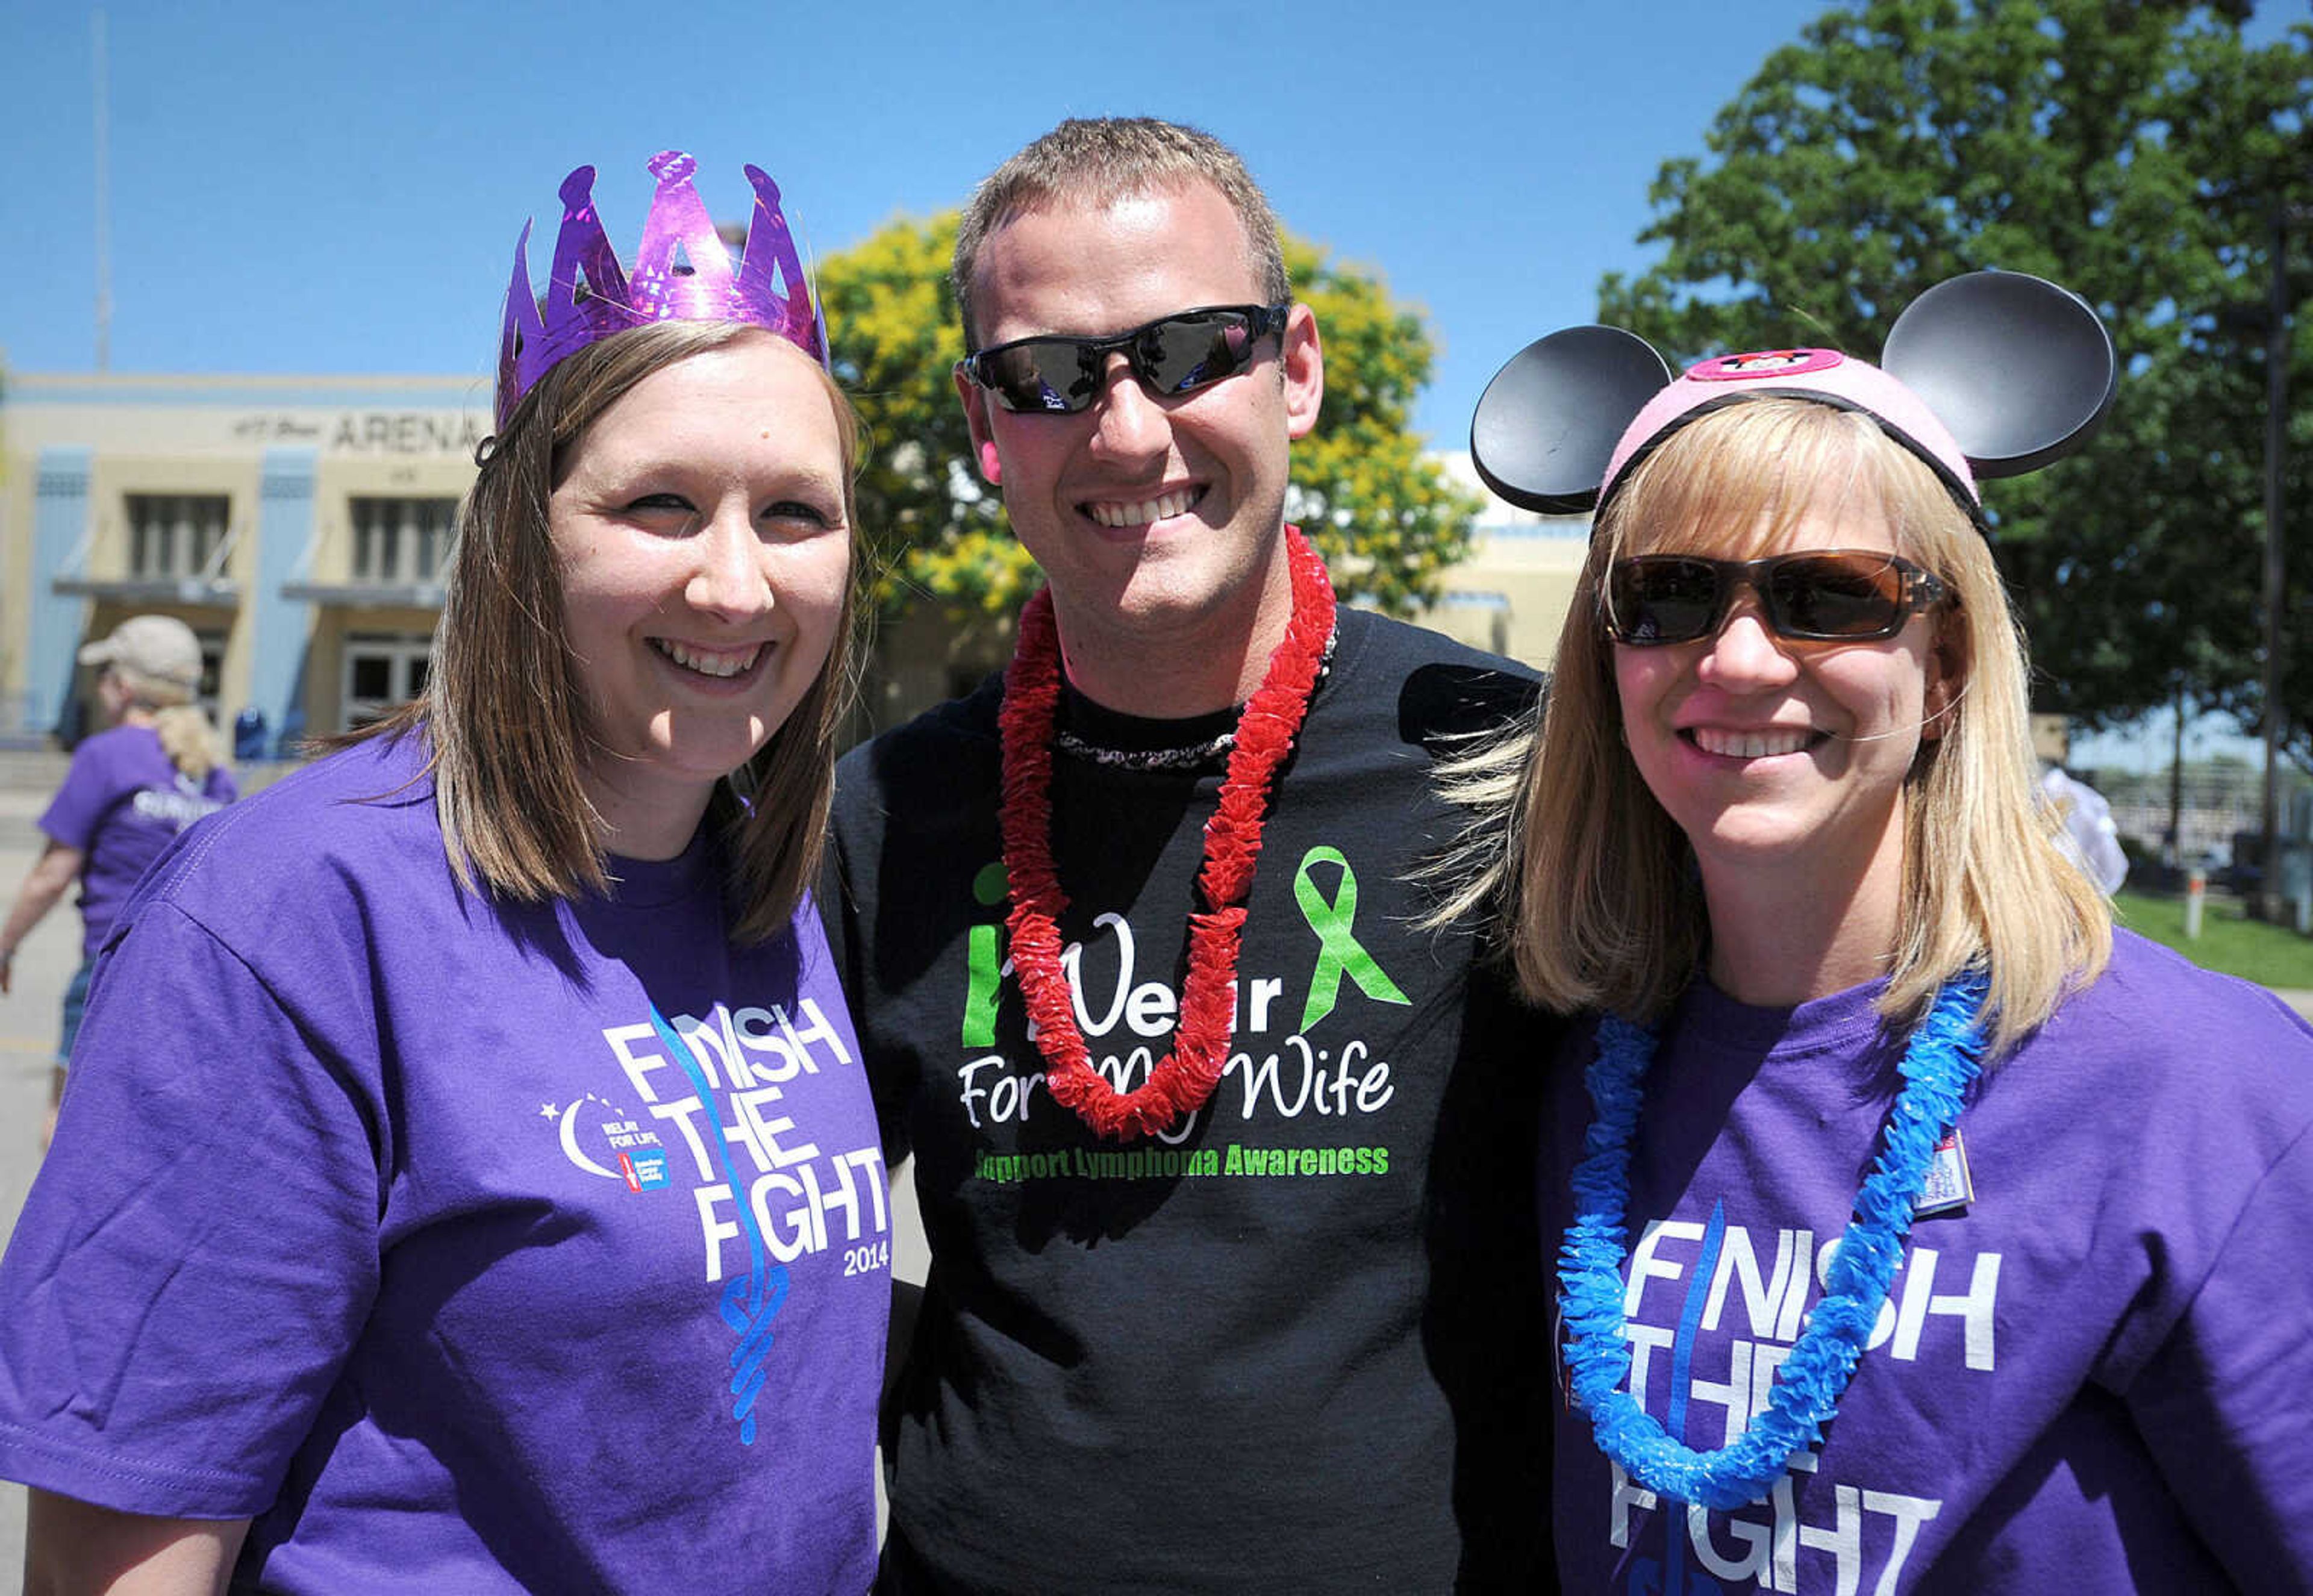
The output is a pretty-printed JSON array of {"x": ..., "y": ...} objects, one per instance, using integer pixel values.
[
  {"x": 1601, "y": 901},
  {"x": 1088, "y": 161},
  {"x": 189, "y": 739},
  {"x": 504, "y": 712}
]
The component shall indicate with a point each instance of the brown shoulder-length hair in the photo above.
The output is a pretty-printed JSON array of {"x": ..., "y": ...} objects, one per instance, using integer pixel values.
[
  {"x": 505, "y": 714},
  {"x": 1602, "y": 904}
]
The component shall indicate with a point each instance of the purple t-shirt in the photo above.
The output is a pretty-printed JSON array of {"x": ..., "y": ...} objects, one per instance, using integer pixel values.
[
  {"x": 122, "y": 802},
  {"x": 401, "y": 1222},
  {"x": 2096, "y": 1375}
]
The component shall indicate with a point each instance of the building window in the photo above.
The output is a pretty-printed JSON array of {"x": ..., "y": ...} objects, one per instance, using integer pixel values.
[
  {"x": 399, "y": 540},
  {"x": 384, "y": 670},
  {"x": 212, "y": 669},
  {"x": 175, "y": 535}
]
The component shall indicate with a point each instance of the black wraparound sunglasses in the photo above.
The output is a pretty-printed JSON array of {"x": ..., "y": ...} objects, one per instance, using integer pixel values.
[
  {"x": 1824, "y": 595},
  {"x": 1053, "y": 374}
]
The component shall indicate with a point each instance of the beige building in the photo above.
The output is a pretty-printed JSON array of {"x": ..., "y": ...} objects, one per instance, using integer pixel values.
[
  {"x": 297, "y": 524},
  {"x": 300, "y": 525},
  {"x": 1510, "y": 595}
]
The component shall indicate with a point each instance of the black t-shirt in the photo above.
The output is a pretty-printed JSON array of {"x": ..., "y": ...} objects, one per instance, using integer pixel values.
[{"x": 1300, "y": 1342}]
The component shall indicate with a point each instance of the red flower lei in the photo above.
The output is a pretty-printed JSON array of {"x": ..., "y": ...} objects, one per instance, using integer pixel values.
[{"x": 1186, "y": 1077}]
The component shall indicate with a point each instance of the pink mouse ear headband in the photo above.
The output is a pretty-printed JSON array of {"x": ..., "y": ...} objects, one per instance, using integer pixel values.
[
  {"x": 682, "y": 273},
  {"x": 1990, "y": 375}
]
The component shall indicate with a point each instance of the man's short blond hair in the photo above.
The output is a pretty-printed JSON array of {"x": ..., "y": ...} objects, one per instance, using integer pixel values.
[{"x": 1087, "y": 161}]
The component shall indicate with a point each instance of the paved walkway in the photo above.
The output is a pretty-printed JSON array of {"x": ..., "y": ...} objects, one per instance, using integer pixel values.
[{"x": 28, "y": 1040}]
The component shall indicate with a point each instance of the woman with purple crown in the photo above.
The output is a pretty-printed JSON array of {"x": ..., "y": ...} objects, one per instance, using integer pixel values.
[
  {"x": 466, "y": 1180},
  {"x": 1919, "y": 1232}
]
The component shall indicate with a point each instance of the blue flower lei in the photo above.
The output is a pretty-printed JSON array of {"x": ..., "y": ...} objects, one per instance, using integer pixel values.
[{"x": 1938, "y": 1066}]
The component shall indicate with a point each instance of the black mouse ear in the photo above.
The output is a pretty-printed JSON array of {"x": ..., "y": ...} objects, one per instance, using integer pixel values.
[
  {"x": 1549, "y": 421},
  {"x": 2019, "y": 369}
]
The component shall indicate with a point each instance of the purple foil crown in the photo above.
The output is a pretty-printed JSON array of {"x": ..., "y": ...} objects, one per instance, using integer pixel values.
[{"x": 682, "y": 273}]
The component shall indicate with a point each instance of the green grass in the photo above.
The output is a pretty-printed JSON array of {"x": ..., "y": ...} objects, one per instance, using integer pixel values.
[{"x": 2269, "y": 955}]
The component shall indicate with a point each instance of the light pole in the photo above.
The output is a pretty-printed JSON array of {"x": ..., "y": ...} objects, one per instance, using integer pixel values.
[{"x": 103, "y": 110}]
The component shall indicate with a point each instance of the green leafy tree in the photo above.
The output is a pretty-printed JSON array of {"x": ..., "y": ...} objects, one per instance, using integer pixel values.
[
  {"x": 1388, "y": 521},
  {"x": 2132, "y": 152},
  {"x": 936, "y": 532},
  {"x": 1389, "y": 524}
]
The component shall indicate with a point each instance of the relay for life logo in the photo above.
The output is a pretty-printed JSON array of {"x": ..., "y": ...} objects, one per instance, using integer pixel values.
[{"x": 717, "y": 1107}]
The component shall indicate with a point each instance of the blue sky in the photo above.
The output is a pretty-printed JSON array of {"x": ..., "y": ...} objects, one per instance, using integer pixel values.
[
  {"x": 333, "y": 188},
  {"x": 322, "y": 188},
  {"x": 330, "y": 187}
]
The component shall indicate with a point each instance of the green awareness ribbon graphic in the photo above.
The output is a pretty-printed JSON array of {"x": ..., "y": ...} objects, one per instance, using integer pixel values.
[{"x": 1337, "y": 952}]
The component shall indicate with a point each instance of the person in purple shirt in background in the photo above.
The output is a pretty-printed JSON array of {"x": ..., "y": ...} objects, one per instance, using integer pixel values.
[
  {"x": 1915, "y": 1231},
  {"x": 129, "y": 789},
  {"x": 467, "y": 1179}
]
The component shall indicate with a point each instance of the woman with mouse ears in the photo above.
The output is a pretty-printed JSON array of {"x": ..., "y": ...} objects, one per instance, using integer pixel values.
[
  {"x": 1917, "y": 1232},
  {"x": 467, "y": 1180}
]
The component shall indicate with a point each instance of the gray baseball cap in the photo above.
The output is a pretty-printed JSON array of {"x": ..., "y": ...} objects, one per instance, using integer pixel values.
[{"x": 155, "y": 645}]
